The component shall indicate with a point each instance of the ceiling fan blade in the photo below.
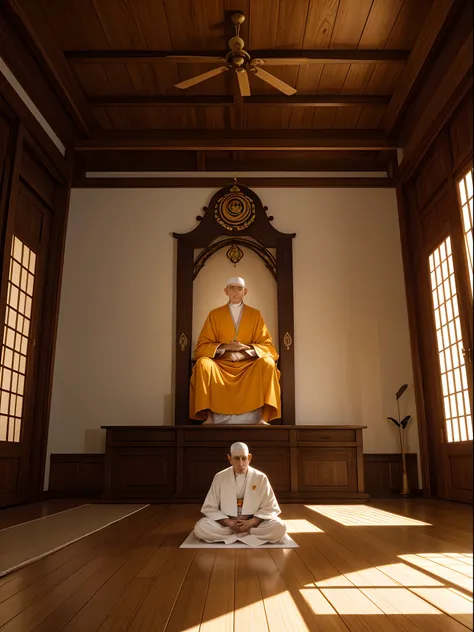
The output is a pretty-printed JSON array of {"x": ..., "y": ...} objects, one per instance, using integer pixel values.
[
  {"x": 274, "y": 81},
  {"x": 202, "y": 77},
  {"x": 195, "y": 59},
  {"x": 285, "y": 61},
  {"x": 243, "y": 80}
]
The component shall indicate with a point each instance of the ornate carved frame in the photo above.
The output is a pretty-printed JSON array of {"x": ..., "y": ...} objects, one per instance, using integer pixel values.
[{"x": 236, "y": 214}]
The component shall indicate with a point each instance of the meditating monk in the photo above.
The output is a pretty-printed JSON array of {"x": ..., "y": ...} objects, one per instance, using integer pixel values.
[
  {"x": 235, "y": 379},
  {"x": 240, "y": 505}
]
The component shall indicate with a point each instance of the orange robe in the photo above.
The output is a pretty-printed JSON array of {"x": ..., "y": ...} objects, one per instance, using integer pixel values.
[{"x": 229, "y": 387}]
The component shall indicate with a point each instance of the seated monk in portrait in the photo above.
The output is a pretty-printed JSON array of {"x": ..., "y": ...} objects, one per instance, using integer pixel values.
[
  {"x": 240, "y": 505},
  {"x": 235, "y": 378}
]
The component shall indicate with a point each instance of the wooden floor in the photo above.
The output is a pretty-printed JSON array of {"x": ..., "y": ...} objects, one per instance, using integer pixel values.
[{"x": 358, "y": 568}]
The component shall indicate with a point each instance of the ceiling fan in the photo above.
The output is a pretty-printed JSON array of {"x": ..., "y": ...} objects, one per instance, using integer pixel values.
[{"x": 239, "y": 60}]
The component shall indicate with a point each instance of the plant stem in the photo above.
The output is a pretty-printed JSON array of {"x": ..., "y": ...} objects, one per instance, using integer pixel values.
[{"x": 401, "y": 437}]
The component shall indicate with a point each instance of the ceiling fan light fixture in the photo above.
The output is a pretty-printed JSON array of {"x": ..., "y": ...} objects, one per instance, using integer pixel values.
[
  {"x": 236, "y": 44},
  {"x": 241, "y": 61}
]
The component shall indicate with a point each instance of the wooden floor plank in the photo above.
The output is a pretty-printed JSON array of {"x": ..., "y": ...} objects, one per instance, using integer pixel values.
[
  {"x": 453, "y": 604},
  {"x": 115, "y": 624},
  {"x": 218, "y": 615},
  {"x": 91, "y": 615},
  {"x": 62, "y": 598},
  {"x": 249, "y": 609},
  {"x": 282, "y": 612},
  {"x": 311, "y": 603},
  {"x": 132, "y": 599},
  {"x": 158, "y": 605},
  {"x": 189, "y": 606}
]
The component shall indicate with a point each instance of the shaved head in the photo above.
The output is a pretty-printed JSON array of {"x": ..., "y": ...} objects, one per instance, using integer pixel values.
[{"x": 239, "y": 448}]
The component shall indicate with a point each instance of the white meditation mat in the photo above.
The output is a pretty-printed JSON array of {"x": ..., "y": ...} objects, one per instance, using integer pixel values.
[{"x": 192, "y": 542}]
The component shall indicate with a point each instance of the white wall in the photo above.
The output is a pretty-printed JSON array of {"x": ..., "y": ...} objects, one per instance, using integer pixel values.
[{"x": 115, "y": 350}]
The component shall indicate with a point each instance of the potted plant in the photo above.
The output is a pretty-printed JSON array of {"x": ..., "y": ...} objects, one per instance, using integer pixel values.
[{"x": 402, "y": 424}]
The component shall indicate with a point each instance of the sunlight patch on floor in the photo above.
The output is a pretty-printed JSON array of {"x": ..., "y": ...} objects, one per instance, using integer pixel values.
[
  {"x": 461, "y": 594},
  {"x": 283, "y": 613},
  {"x": 448, "y": 574},
  {"x": 399, "y": 601},
  {"x": 369, "y": 576},
  {"x": 392, "y": 601},
  {"x": 447, "y": 559},
  {"x": 301, "y": 526},
  {"x": 224, "y": 623},
  {"x": 339, "y": 581},
  {"x": 450, "y": 601},
  {"x": 350, "y": 601},
  {"x": 408, "y": 576},
  {"x": 316, "y": 601},
  {"x": 363, "y": 516}
]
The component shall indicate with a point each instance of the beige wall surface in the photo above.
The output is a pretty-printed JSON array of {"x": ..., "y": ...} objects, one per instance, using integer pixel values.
[{"x": 115, "y": 350}]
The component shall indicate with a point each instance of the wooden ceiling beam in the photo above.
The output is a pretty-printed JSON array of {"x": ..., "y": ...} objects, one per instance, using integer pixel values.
[
  {"x": 314, "y": 56},
  {"x": 52, "y": 58},
  {"x": 217, "y": 182},
  {"x": 238, "y": 141},
  {"x": 424, "y": 44},
  {"x": 301, "y": 100}
]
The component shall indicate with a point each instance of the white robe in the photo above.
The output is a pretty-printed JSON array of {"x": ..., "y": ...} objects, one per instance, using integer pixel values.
[{"x": 221, "y": 503}]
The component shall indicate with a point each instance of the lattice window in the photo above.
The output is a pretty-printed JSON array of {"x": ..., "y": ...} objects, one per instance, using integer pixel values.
[
  {"x": 465, "y": 194},
  {"x": 16, "y": 334},
  {"x": 457, "y": 407}
]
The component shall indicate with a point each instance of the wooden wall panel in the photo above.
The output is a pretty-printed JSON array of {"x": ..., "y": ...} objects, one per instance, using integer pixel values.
[
  {"x": 461, "y": 132},
  {"x": 9, "y": 472},
  {"x": 275, "y": 462},
  {"x": 433, "y": 221},
  {"x": 143, "y": 472},
  {"x": 432, "y": 174},
  {"x": 83, "y": 474},
  {"x": 199, "y": 467},
  {"x": 72, "y": 474},
  {"x": 460, "y": 468},
  {"x": 383, "y": 474},
  {"x": 461, "y": 472},
  {"x": 184, "y": 470},
  {"x": 326, "y": 469},
  {"x": 38, "y": 178}
]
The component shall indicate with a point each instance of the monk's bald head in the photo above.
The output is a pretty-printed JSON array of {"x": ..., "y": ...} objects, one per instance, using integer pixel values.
[
  {"x": 239, "y": 448},
  {"x": 239, "y": 457}
]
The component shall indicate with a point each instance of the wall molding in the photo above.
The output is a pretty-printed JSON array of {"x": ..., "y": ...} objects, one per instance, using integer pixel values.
[{"x": 264, "y": 182}]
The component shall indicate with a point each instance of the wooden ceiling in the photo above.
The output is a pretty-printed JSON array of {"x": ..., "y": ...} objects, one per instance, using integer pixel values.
[{"x": 108, "y": 59}]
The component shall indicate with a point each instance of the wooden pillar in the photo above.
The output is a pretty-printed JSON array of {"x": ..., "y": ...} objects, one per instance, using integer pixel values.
[
  {"x": 286, "y": 332},
  {"x": 184, "y": 327}
]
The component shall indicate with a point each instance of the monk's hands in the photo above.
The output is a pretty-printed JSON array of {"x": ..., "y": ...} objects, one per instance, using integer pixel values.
[
  {"x": 246, "y": 524},
  {"x": 236, "y": 356},
  {"x": 235, "y": 346},
  {"x": 235, "y": 351},
  {"x": 232, "y": 523}
]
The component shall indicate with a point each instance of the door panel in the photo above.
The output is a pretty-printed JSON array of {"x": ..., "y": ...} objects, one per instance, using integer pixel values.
[
  {"x": 440, "y": 223},
  {"x": 25, "y": 260}
]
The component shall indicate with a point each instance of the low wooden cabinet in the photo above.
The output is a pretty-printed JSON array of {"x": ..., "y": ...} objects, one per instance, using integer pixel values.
[{"x": 177, "y": 463}]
